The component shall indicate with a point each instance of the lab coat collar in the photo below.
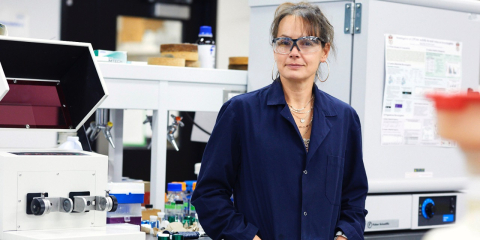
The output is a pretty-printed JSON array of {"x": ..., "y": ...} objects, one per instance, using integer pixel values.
[
  {"x": 323, "y": 108},
  {"x": 276, "y": 96},
  {"x": 321, "y": 121}
]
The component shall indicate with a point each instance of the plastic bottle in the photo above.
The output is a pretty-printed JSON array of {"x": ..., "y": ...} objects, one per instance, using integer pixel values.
[
  {"x": 72, "y": 143},
  {"x": 154, "y": 221},
  {"x": 175, "y": 193},
  {"x": 186, "y": 189},
  {"x": 191, "y": 209},
  {"x": 179, "y": 211},
  {"x": 177, "y": 237},
  {"x": 162, "y": 236},
  {"x": 163, "y": 222},
  {"x": 188, "y": 196},
  {"x": 206, "y": 47}
]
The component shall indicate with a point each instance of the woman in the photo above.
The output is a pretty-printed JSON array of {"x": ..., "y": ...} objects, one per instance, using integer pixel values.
[{"x": 290, "y": 154}]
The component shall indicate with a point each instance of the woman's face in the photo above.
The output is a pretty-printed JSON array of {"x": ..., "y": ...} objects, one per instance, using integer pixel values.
[{"x": 296, "y": 65}]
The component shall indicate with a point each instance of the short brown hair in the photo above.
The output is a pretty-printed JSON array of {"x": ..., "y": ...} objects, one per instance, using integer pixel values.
[{"x": 317, "y": 24}]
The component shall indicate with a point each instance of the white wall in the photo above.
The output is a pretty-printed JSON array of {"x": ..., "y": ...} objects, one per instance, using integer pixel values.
[
  {"x": 233, "y": 24},
  {"x": 30, "y": 19}
]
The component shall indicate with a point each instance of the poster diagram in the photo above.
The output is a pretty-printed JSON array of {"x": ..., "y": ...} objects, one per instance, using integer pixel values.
[{"x": 413, "y": 67}]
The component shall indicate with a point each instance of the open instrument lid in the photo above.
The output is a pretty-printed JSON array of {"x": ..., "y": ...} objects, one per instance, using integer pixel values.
[{"x": 48, "y": 84}]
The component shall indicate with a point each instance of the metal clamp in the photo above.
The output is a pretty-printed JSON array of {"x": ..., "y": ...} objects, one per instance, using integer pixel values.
[
  {"x": 177, "y": 122},
  {"x": 102, "y": 124},
  {"x": 42, "y": 205},
  {"x": 95, "y": 203}
]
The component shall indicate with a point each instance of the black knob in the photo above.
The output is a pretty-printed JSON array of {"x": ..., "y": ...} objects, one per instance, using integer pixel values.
[
  {"x": 37, "y": 206},
  {"x": 430, "y": 210},
  {"x": 114, "y": 203}
]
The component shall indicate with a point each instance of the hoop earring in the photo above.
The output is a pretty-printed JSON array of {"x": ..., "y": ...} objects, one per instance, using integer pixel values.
[
  {"x": 318, "y": 76},
  {"x": 273, "y": 68}
]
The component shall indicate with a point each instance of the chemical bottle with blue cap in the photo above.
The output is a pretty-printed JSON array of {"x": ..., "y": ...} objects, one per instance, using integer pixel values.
[
  {"x": 175, "y": 195},
  {"x": 191, "y": 184},
  {"x": 206, "y": 47},
  {"x": 185, "y": 199}
]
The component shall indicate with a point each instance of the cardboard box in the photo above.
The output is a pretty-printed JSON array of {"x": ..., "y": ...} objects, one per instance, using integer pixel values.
[{"x": 150, "y": 212}]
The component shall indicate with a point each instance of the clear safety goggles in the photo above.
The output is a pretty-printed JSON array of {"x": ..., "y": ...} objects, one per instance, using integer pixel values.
[{"x": 309, "y": 44}]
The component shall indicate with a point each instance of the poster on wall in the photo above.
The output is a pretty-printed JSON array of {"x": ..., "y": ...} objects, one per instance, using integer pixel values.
[{"x": 413, "y": 67}]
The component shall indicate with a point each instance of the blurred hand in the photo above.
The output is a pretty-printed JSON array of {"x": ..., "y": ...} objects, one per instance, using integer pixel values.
[
  {"x": 256, "y": 238},
  {"x": 341, "y": 238}
]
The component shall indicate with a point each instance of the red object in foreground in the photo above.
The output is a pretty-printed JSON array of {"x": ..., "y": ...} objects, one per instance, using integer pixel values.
[
  {"x": 453, "y": 102},
  {"x": 458, "y": 118}
]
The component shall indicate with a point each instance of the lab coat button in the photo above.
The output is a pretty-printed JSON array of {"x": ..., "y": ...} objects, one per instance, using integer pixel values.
[
  {"x": 305, "y": 213},
  {"x": 305, "y": 171}
]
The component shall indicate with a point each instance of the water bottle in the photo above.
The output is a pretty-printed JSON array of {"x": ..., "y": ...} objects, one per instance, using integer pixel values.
[{"x": 206, "y": 47}]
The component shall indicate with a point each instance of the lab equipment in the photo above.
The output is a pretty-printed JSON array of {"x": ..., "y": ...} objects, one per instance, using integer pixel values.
[
  {"x": 50, "y": 193},
  {"x": 102, "y": 124},
  {"x": 130, "y": 196},
  {"x": 162, "y": 236},
  {"x": 43, "y": 205},
  {"x": 190, "y": 209},
  {"x": 188, "y": 235},
  {"x": 177, "y": 122},
  {"x": 94, "y": 203},
  {"x": 174, "y": 204},
  {"x": 163, "y": 222},
  {"x": 179, "y": 211},
  {"x": 177, "y": 237},
  {"x": 154, "y": 221},
  {"x": 206, "y": 47},
  {"x": 72, "y": 143}
]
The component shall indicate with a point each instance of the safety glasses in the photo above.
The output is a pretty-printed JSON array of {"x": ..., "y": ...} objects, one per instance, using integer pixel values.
[{"x": 308, "y": 44}]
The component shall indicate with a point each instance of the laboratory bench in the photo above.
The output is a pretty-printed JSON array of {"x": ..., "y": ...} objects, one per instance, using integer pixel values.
[{"x": 392, "y": 235}]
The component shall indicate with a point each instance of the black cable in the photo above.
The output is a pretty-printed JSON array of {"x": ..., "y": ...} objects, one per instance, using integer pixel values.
[{"x": 194, "y": 123}]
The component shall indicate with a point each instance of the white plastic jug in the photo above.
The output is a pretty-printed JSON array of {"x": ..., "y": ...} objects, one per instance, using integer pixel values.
[{"x": 72, "y": 143}]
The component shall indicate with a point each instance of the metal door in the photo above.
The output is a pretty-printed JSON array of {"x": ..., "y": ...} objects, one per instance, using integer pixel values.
[{"x": 388, "y": 166}]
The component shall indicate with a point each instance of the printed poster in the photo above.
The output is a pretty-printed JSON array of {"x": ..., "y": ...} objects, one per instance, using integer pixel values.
[{"x": 413, "y": 67}]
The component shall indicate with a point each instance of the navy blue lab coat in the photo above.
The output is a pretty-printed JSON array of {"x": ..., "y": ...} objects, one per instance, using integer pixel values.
[{"x": 280, "y": 190}]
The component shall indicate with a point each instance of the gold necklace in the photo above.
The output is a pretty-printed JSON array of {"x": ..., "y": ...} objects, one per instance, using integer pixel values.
[
  {"x": 301, "y": 109},
  {"x": 306, "y": 142},
  {"x": 302, "y": 119},
  {"x": 301, "y": 112}
]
